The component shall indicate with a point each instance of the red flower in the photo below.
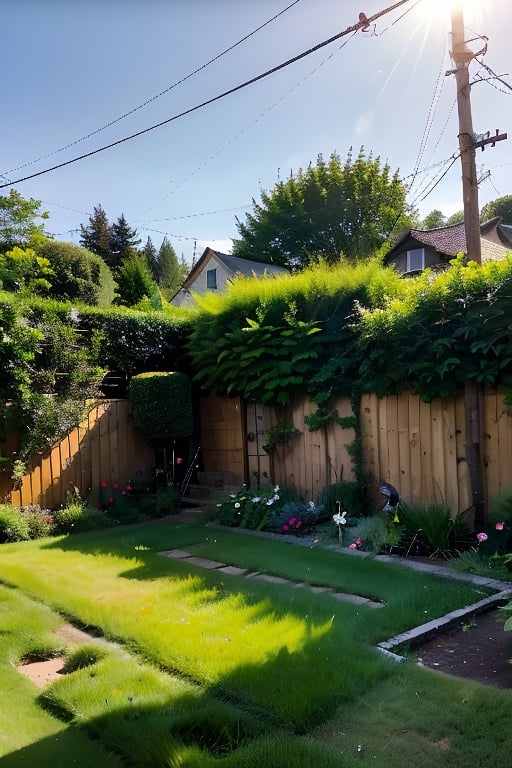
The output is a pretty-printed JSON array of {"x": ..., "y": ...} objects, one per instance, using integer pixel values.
[
  {"x": 111, "y": 500},
  {"x": 104, "y": 483},
  {"x": 128, "y": 487},
  {"x": 285, "y": 528},
  {"x": 115, "y": 486},
  {"x": 123, "y": 493}
]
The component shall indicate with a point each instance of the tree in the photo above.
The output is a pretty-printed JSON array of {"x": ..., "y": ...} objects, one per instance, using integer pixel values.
[
  {"x": 151, "y": 255},
  {"x": 134, "y": 281},
  {"x": 434, "y": 220},
  {"x": 330, "y": 211},
  {"x": 172, "y": 272},
  {"x": 23, "y": 270},
  {"x": 78, "y": 274},
  {"x": 455, "y": 218},
  {"x": 95, "y": 236},
  {"x": 501, "y": 207},
  {"x": 123, "y": 240},
  {"x": 18, "y": 222}
]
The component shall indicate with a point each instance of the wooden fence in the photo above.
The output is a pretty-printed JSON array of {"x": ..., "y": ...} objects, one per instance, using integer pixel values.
[
  {"x": 418, "y": 447},
  {"x": 104, "y": 447}
]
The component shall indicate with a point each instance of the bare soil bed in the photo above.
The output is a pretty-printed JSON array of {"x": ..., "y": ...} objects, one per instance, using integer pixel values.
[{"x": 478, "y": 649}]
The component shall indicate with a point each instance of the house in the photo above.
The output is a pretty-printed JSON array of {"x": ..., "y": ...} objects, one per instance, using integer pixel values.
[
  {"x": 214, "y": 269},
  {"x": 417, "y": 249}
]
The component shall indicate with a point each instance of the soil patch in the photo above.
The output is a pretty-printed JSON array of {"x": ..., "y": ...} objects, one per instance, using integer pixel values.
[
  {"x": 477, "y": 649},
  {"x": 42, "y": 673}
]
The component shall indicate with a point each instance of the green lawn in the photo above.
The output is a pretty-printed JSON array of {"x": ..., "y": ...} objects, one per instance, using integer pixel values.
[{"x": 217, "y": 669}]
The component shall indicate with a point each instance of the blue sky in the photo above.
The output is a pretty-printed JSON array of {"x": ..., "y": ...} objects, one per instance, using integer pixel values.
[{"x": 73, "y": 66}]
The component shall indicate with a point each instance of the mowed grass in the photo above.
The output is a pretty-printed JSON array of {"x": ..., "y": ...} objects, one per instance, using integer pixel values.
[{"x": 260, "y": 672}]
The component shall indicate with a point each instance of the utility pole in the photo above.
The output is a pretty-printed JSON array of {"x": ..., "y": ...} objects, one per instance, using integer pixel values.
[
  {"x": 472, "y": 389},
  {"x": 461, "y": 56}
]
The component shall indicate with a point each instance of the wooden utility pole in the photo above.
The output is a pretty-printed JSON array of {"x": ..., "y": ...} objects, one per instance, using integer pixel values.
[
  {"x": 461, "y": 56},
  {"x": 472, "y": 390}
]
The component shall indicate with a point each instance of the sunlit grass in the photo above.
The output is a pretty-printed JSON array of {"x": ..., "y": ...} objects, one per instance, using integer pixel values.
[{"x": 219, "y": 660}]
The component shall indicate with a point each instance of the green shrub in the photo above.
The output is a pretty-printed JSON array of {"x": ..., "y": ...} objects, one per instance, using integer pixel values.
[
  {"x": 162, "y": 503},
  {"x": 162, "y": 405},
  {"x": 76, "y": 518},
  {"x": 14, "y": 525},
  {"x": 350, "y": 495},
  {"x": 431, "y": 530},
  {"x": 40, "y": 521},
  {"x": 295, "y": 517},
  {"x": 375, "y": 533},
  {"x": 253, "y": 509}
]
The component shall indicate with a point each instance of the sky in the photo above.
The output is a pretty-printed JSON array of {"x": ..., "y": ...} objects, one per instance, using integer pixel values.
[{"x": 72, "y": 68}]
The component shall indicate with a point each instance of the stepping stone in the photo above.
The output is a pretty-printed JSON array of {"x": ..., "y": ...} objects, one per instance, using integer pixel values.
[
  {"x": 203, "y": 562},
  {"x": 233, "y": 570}
]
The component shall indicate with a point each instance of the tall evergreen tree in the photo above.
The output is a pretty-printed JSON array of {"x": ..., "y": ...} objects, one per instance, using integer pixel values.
[
  {"x": 151, "y": 255},
  {"x": 95, "y": 236},
  {"x": 172, "y": 272},
  {"x": 123, "y": 241}
]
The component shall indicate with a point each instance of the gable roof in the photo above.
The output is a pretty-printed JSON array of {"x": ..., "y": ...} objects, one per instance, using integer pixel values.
[
  {"x": 451, "y": 240},
  {"x": 233, "y": 264}
]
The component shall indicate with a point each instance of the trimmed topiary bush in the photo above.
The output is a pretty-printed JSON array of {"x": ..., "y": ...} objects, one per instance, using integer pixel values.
[{"x": 162, "y": 405}]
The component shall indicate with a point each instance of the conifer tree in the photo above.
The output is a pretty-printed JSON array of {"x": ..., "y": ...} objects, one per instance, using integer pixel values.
[
  {"x": 151, "y": 255},
  {"x": 172, "y": 272},
  {"x": 95, "y": 236},
  {"x": 123, "y": 241}
]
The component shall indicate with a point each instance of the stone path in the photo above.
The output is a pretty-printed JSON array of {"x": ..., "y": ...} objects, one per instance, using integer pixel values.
[{"x": 214, "y": 565}]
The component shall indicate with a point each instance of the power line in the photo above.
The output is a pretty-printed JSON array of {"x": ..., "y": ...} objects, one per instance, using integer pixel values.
[
  {"x": 362, "y": 23},
  {"x": 157, "y": 96}
]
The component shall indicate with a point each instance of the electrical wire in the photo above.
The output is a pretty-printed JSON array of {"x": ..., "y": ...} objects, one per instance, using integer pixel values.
[
  {"x": 157, "y": 96},
  {"x": 248, "y": 127},
  {"x": 353, "y": 28}
]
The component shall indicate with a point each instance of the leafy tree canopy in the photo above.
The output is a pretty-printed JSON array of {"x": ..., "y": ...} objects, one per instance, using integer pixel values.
[
  {"x": 330, "y": 210},
  {"x": 18, "y": 222},
  {"x": 502, "y": 207},
  {"x": 434, "y": 220},
  {"x": 78, "y": 274},
  {"x": 134, "y": 281}
]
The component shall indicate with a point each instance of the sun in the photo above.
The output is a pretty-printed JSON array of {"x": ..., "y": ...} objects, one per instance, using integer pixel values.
[{"x": 439, "y": 11}]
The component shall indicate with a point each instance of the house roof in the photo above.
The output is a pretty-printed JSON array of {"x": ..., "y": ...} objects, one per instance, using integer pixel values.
[
  {"x": 233, "y": 264},
  {"x": 451, "y": 240}
]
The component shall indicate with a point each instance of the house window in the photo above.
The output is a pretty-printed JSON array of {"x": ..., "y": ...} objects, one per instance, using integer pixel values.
[
  {"x": 211, "y": 279},
  {"x": 415, "y": 260}
]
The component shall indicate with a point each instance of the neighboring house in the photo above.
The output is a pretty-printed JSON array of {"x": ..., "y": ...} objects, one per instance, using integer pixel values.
[
  {"x": 214, "y": 270},
  {"x": 417, "y": 249}
]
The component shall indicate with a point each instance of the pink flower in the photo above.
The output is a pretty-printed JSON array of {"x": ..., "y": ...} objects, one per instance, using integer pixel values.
[
  {"x": 292, "y": 520},
  {"x": 481, "y": 537},
  {"x": 104, "y": 483},
  {"x": 128, "y": 487},
  {"x": 359, "y": 541},
  {"x": 353, "y": 545},
  {"x": 111, "y": 500},
  {"x": 500, "y": 526},
  {"x": 298, "y": 524},
  {"x": 285, "y": 528},
  {"x": 179, "y": 460},
  {"x": 123, "y": 493},
  {"x": 115, "y": 486}
]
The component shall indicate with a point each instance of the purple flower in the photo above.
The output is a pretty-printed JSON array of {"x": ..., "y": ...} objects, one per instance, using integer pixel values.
[{"x": 481, "y": 537}]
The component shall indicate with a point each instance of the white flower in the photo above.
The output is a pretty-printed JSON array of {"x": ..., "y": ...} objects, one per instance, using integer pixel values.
[
  {"x": 256, "y": 499},
  {"x": 270, "y": 502},
  {"x": 311, "y": 504},
  {"x": 276, "y": 489},
  {"x": 340, "y": 519},
  {"x": 237, "y": 505}
]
